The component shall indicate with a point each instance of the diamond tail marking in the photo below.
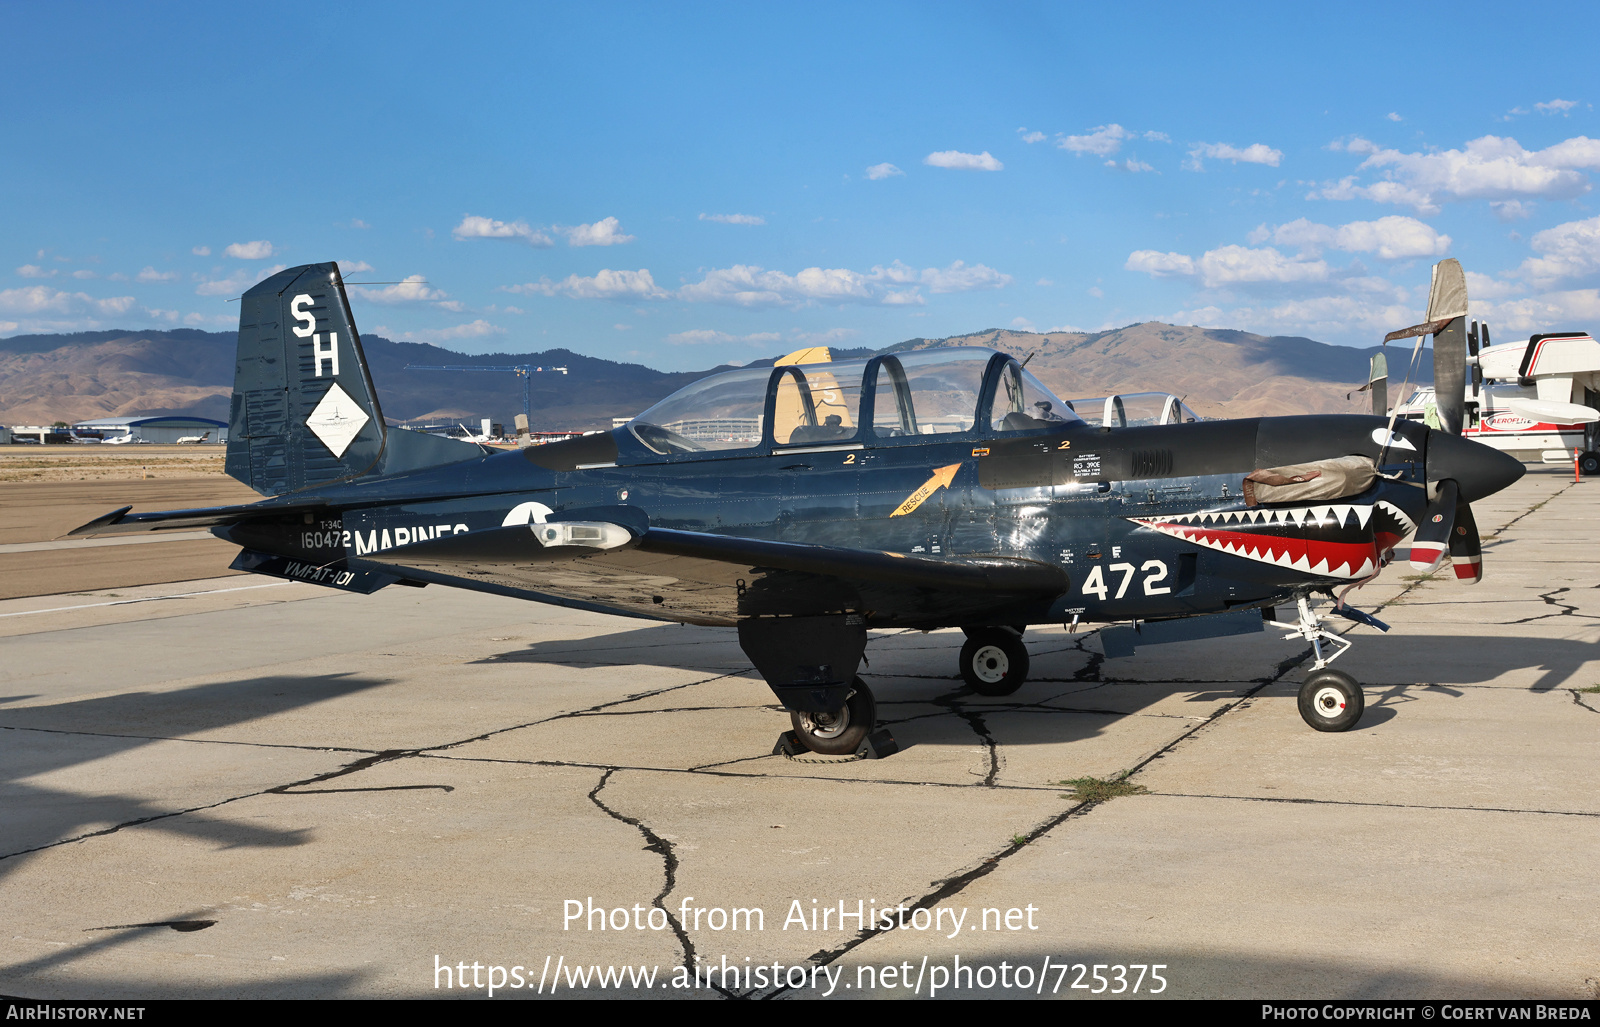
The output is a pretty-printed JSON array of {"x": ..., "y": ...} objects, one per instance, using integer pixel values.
[{"x": 337, "y": 420}]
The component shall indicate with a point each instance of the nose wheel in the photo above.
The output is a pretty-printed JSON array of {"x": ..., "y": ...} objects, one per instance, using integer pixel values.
[
  {"x": 994, "y": 661},
  {"x": 1331, "y": 700}
]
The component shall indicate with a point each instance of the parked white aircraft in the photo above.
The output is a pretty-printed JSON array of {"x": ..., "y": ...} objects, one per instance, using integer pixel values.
[{"x": 1539, "y": 399}]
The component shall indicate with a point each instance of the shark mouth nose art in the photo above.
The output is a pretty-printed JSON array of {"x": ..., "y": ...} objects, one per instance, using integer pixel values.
[{"x": 1336, "y": 540}]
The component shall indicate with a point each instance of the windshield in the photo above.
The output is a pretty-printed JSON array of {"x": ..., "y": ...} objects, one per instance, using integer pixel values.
[
  {"x": 720, "y": 412},
  {"x": 1022, "y": 402}
]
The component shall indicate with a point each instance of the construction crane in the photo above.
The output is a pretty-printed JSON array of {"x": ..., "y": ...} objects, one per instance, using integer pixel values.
[{"x": 523, "y": 371}]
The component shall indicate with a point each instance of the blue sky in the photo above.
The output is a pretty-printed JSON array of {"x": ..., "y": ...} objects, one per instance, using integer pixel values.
[{"x": 682, "y": 185}]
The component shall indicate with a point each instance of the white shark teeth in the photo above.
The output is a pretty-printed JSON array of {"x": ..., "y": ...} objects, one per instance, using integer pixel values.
[
  {"x": 1363, "y": 514},
  {"x": 1399, "y": 515}
]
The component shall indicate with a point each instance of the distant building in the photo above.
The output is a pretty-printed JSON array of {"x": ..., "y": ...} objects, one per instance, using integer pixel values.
[{"x": 157, "y": 429}]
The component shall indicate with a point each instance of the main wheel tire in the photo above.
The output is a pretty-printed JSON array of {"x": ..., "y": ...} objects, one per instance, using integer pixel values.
[
  {"x": 1589, "y": 463},
  {"x": 1331, "y": 701},
  {"x": 994, "y": 661},
  {"x": 841, "y": 733}
]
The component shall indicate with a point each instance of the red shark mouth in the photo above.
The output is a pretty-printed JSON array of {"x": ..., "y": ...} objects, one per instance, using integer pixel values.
[{"x": 1295, "y": 538}]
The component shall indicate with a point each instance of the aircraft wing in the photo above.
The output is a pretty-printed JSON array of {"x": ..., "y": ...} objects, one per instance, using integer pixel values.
[{"x": 717, "y": 579}]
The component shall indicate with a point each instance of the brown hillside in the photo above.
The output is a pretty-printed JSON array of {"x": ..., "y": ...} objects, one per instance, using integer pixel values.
[
  {"x": 110, "y": 374},
  {"x": 1219, "y": 373}
]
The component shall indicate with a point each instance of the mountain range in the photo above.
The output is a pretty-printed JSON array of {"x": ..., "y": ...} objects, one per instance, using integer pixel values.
[{"x": 1220, "y": 373}]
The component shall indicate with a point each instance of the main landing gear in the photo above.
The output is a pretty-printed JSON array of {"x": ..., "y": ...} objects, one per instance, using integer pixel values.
[
  {"x": 1330, "y": 700},
  {"x": 843, "y": 731},
  {"x": 994, "y": 661}
]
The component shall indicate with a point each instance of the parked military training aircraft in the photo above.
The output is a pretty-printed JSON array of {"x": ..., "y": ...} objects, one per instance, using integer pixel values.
[{"x": 807, "y": 503}]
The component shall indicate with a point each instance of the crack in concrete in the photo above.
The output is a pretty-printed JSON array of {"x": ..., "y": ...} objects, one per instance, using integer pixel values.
[
  {"x": 981, "y": 729},
  {"x": 198, "y": 741},
  {"x": 358, "y": 765},
  {"x": 1380, "y": 805},
  {"x": 1577, "y": 698},
  {"x": 893, "y": 782},
  {"x": 586, "y": 711},
  {"x": 663, "y": 848},
  {"x": 1562, "y": 609}
]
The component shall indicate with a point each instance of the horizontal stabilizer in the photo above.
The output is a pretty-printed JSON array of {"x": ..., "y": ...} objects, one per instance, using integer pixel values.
[{"x": 121, "y": 522}]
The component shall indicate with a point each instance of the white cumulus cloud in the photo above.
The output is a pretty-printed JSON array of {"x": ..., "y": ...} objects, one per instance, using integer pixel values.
[
  {"x": 1230, "y": 265},
  {"x": 734, "y": 219},
  {"x": 1487, "y": 168},
  {"x": 473, "y": 330},
  {"x": 150, "y": 274},
  {"x": 201, "y": 251},
  {"x": 964, "y": 161},
  {"x": 1102, "y": 141},
  {"x": 884, "y": 170},
  {"x": 702, "y": 336},
  {"x": 35, "y": 271},
  {"x": 605, "y": 232},
  {"x": 236, "y": 283},
  {"x": 1393, "y": 238},
  {"x": 1555, "y": 106},
  {"x": 411, "y": 289},
  {"x": 474, "y": 227},
  {"x": 1255, "y": 153},
  {"x": 1565, "y": 251},
  {"x": 260, "y": 249},
  {"x": 1158, "y": 264},
  {"x": 895, "y": 284},
  {"x": 603, "y": 285}
]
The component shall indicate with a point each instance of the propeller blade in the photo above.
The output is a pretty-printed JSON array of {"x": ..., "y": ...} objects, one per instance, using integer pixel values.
[
  {"x": 1472, "y": 356},
  {"x": 1466, "y": 550},
  {"x": 1378, "y": 382},
  {"x": 1450, "y": 375},
  {"x": 1433, "y": 536},
  {"x": 1447, "y": 302}
]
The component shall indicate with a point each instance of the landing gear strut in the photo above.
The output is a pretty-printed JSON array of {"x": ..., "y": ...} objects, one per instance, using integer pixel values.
[
  {"x": 994, "y": 661},
  {"x": 1330, "y": 700}
]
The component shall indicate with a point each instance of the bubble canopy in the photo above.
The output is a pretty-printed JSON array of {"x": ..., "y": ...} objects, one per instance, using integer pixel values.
[{"x": 866, "y": 401}]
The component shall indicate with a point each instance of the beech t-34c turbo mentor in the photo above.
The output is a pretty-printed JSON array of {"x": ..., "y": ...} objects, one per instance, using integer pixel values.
[{"x": 805, "y": 504}]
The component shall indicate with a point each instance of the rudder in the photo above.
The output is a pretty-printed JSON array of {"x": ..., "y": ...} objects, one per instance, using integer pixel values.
[{"x": 304, "y": 412}]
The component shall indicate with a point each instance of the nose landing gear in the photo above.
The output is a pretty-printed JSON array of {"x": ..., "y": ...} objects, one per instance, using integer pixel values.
[{"x": 1330, "y": 700}]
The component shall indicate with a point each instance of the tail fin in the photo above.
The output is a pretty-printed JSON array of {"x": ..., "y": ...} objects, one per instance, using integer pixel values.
[{"x": 304, "y": 410}]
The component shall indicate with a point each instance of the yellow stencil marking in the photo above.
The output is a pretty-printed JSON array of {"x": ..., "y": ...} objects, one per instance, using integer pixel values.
[{"x": 941, "y": 476}]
